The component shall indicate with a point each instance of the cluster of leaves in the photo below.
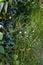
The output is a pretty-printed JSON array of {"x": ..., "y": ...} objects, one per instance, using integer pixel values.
[{"x": 23, "y": 34}]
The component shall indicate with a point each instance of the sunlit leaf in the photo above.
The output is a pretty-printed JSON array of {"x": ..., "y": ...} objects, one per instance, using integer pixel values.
[{"x": 1, "y": 36}]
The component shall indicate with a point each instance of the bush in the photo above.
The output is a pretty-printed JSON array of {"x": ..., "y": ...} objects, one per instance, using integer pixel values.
[{"x": 21, "y": 33}]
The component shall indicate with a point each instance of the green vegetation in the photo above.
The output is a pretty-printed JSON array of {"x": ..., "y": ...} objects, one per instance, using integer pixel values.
[{"x": 21, "y": 38}]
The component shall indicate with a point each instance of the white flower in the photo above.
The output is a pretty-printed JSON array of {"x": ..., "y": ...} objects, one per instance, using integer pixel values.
[
  {"x": 25, "y": 32},
  {"x": 1, "y": 26},
  {"x": 20, "y": 32},
  {"x": 33, "y": 31},
  {"x": 10, "y": 17}
]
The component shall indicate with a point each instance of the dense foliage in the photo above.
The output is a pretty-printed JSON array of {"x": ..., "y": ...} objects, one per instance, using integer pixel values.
[{"x": 21, "y": 32}]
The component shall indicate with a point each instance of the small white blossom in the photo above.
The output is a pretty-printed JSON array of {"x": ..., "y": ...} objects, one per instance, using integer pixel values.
[
  {"x": 20, "y": 32},
  {"x": 25, "y": 32},
  {"x": 10, "y": 17},
  {"x": 33, "y": 31},
  {"x": 1, "y": 26}
]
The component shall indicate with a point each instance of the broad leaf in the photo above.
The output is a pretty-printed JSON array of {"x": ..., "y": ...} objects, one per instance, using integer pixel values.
[
  {"x": 1, "y": 36},
  {"x": 15, "y": 57},
  {"x": 2, "y": 50}
]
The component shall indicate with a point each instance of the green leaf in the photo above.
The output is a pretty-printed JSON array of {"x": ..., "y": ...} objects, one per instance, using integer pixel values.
[
  {"x": 17, "y": 62},
  {"x": 15, "y": 56},
  {"x": 1, "y": 63},
  {"x": 6, "y": 6},
  {"x": 1, "y": 0},
  {"x": 2, "y": 50},
  {"x": 1, "y": 36}
]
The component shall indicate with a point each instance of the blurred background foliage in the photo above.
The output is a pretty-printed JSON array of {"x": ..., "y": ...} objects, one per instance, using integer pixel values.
[{"x": 21, "y": 42}]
